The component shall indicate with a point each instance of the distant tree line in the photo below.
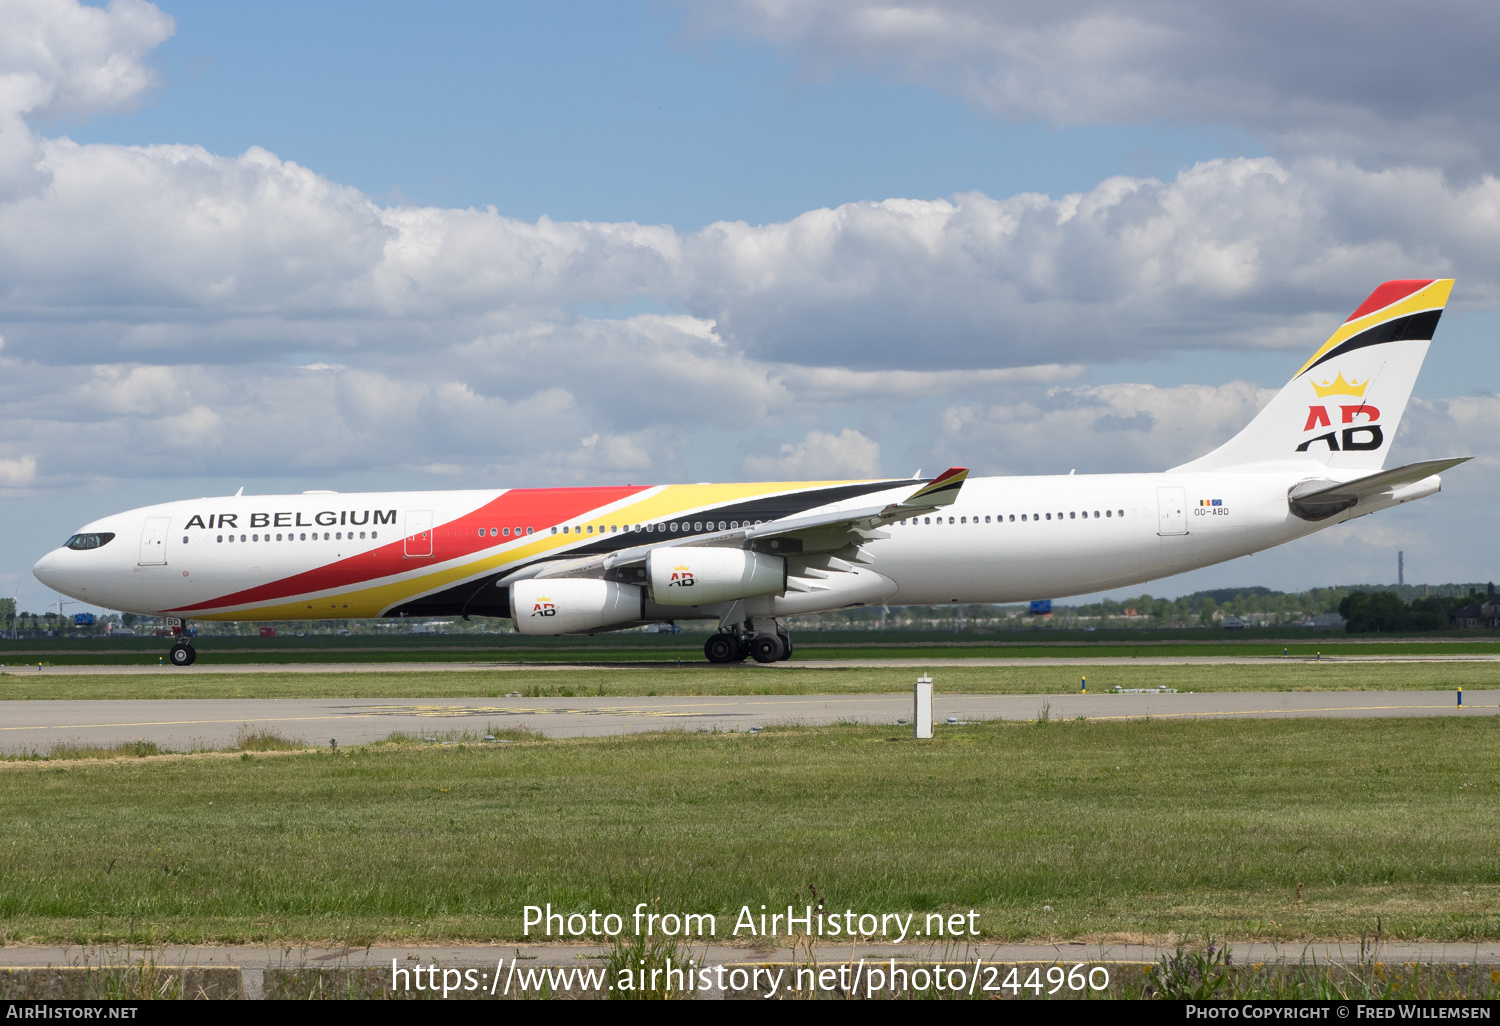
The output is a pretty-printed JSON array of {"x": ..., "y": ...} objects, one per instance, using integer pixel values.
[{"x": 1385, "y": 611}]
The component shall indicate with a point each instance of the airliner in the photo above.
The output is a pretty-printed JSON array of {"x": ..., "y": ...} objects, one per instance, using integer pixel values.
[{"x": 589, "y": 560}]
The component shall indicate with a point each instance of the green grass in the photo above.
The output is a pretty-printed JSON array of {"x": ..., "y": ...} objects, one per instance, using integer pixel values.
[
  {"x": 1287, "y": 830},
  {"x": 698, "y": 679}
]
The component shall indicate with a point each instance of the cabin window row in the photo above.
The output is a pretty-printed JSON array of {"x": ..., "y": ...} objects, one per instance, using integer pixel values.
[
  {"x": 684, "y": 527},
  {"x": 327, "y": 536},
  {"x": 505, "y": 532},
  {"x": 1084, "y": 514}
]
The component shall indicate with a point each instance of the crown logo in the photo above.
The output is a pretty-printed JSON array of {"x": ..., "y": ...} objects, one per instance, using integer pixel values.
[
  {"x": 543, "y": 598},
  {"x": 682, "y": 567},
  {"x": 1341, "y": 387}
]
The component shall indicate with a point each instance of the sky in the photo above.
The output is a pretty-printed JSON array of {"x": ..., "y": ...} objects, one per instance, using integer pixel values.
[{"x": 386, "y": 245}]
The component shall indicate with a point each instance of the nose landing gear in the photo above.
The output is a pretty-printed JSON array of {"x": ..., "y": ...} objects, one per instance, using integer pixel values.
[{"x": 181, "y": 654}]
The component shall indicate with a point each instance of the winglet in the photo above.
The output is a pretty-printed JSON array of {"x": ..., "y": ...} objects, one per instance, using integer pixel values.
[{"x": 940, "y": 491}]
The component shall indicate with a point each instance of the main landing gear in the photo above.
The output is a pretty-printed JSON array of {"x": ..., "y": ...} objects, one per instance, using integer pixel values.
[
  {"x": 181, "y": 654},
  {"x": 749, "y": 641}
]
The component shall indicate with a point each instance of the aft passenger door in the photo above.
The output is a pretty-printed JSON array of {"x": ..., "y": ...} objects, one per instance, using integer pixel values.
[
  {"x": 418, "y": 533},
  {"x": 1171, "y": 511},
  {"x": 154, "y": 541}
]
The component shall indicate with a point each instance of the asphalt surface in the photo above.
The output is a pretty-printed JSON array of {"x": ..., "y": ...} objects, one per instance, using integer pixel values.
[
  {"x": 958, "y": 950},
  {"x": 799, "y": 664},
  {"x": 213, "y": 723}
]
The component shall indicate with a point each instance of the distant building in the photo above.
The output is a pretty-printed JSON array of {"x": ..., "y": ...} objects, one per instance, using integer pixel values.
[
  {"x": 1489, "y": 613},
  {"x": 1235, "y": 622},
  {"x": 1325, "y": 620},
  {"x": 1468, "y": 616}
]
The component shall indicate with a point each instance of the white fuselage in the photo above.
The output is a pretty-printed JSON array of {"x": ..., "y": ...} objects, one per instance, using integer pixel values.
[{"x": 1005, "y": 539}]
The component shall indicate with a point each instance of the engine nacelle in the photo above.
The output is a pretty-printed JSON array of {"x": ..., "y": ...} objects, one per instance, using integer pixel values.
[
  {"x": 694, "y": 576},
  {"x": 570, "y": 606}
]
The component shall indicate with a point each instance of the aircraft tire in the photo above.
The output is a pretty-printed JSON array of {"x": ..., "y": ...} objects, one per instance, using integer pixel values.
[
  {"x": 786, "y": 644},
  {"x": 723, "y": 648},
  {"x": 767, "y": 648},
  {"x": 183, "y": 655}
]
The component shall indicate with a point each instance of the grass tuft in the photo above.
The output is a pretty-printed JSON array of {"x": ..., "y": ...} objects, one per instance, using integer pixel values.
[{"x": 265, "y": 739}]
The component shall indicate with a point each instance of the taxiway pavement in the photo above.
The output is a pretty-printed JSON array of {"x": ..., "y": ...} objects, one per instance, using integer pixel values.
[{"x": 181, "y": 724}]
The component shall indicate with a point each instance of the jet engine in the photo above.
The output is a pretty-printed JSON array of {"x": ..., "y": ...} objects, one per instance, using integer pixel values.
[
  {"x": 696, "y": 576},
  {"x": 562, "y": 606}
]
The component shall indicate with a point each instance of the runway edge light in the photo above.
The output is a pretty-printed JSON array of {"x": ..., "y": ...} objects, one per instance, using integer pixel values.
[{"x": 922, "y": 713}]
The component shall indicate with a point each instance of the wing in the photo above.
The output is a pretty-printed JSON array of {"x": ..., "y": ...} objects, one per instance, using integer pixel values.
[{"x": 819, "y": 544}]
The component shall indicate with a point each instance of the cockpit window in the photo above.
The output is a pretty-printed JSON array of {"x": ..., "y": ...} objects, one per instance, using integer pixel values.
[{"x": 90, "y": 541}]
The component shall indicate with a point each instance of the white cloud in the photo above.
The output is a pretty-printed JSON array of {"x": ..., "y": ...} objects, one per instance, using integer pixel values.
[
  {"x": 1099, "y": 428},
  {"x": 17, "y": 473},
  {"x": 59, "y": 58},
  {"x": 1386, "y": 81},
  {"x": 820, "y": 455}
]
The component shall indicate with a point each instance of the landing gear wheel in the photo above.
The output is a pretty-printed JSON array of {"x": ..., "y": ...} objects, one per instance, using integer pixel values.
[
  {"x": 183, "y": 655},
  {"x": 723, "y": 648},
  {"x": 767, "y": 648},
  {"x": 786, "y": 644}
]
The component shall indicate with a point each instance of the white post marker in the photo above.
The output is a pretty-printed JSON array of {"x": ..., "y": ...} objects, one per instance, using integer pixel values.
[{"x": 922, "y": 714}]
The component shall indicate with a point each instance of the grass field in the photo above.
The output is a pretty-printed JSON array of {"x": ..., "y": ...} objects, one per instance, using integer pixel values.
[
  {"x": 1287, "y": 830},
  {"x": 699, "y": 679}
]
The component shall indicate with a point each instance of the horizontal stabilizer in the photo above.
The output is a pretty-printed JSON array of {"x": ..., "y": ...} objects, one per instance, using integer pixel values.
[{"x": 1319, "y": 500}]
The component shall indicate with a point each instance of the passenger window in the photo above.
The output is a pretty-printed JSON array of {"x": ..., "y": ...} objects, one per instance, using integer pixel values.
[
  {"x": 1072, "y": 516},
  {"x": 674, "y": 528},
  {"x": 1013, "y": 518},
  {"x": 528, "y": 530},
  {"x": 963, "y": 520},
  {"x": 505, "y": 531},
  {"x": 926, "y": 520},
  {"x": 1023, "y": 518},
  {"x": 697, "y": 526},
  {"x": 184, "y": 539},
  {"x": 1049, "y": 516},
  {"x": 986, "y": 520},
  {"x": 221, "y": 539},
  {"x": 374, "y": 534},
  {"x": 950, "y": 520},
  {"x": 242, "y": 537}
]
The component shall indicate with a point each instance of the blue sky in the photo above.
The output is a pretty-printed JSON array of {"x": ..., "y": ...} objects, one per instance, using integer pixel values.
[
  {"x": 595, "y": 111},
  {"x": 252, "y": 245}
]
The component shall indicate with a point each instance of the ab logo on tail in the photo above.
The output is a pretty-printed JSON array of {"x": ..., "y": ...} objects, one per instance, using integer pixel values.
[{"x": 1363, "y": 435}]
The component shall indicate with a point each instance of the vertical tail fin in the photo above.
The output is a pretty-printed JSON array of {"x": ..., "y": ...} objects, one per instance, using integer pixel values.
[{"x": 1342, "y": 408}]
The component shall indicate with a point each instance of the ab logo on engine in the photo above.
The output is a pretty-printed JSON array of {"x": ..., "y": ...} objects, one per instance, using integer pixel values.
[
  {"x": 544, "y": 607},
  {"x": 682, "y": 577}
]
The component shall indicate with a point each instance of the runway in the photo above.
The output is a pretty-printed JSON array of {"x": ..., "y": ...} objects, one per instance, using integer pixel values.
[
  {"x": 181, "y": 724},
  {"x": 27, "y": 669}
]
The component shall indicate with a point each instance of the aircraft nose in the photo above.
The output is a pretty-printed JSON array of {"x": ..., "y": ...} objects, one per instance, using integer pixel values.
[{"x": 47, "y": 570}]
